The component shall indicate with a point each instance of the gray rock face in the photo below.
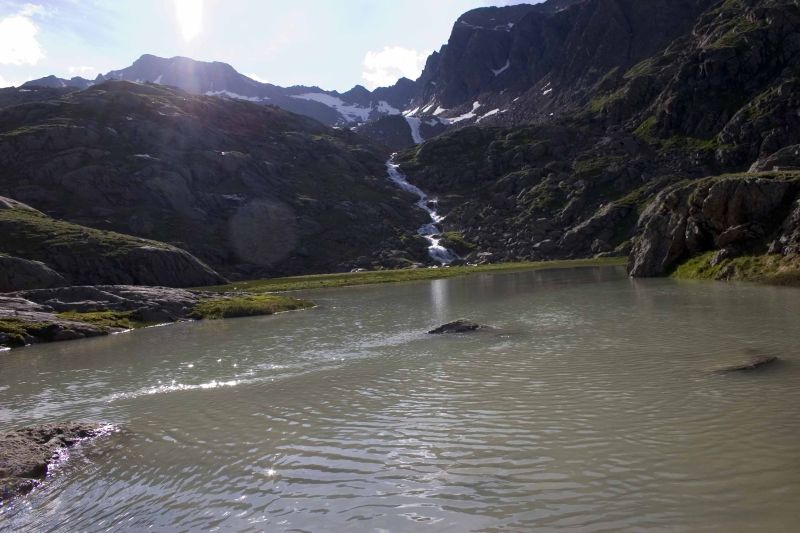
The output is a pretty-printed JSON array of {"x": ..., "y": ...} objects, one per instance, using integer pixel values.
[
  {"x": 26, "y": 454},
  {"x": 19, "y": 274},
  {"x": 733, "y": 215}
]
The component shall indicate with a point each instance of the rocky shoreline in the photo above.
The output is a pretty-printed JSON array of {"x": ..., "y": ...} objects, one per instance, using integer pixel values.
[
  {"x": 69, "y": 313},
  {"x": 27, "y": 455}
]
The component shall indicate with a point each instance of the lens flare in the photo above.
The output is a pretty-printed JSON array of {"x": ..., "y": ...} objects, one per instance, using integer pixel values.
[{"x": 190, "y": 17}]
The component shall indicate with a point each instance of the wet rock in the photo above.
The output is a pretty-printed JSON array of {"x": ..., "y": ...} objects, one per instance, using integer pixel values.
[
  {"x": 26, "y": 454},
  {"x": 458, "y": 326},
  {"x": 754, "y": 363}
]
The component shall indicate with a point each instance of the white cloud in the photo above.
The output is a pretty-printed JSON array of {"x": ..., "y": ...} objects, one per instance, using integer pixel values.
[
  {"x": 81, "y": 70},
  {"x": 190, "y": 17},
  {"x": 19, "y": 44},
  {"x": 7, "y": 83},
  {"x": 393, "y": 62},
  {"x": 257, "y": 78}
]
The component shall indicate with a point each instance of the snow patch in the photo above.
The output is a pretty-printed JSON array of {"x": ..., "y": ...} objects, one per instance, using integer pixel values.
[
  {"x": 410, "y": 112},
  {"x": 158, "y": 79},
  {"x": 502, "y": 69},
  {"x": 489, "y": 114},
  {"x": 235, "y": 96},
  {"x": 414, "y": 124},
  {"x": 546, "y": 92},
  {"x": 439, "y": 111},
  {"x": 466, "y": 116},
  {"x": 352, "y": 113},
  {"x": 385, "y": 107}
]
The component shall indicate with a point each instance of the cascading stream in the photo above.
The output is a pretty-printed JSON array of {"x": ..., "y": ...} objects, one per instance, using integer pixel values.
[{"x": 430, "y": 230}]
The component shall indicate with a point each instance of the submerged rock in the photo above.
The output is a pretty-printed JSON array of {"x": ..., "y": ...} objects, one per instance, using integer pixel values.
[
  {"x": 458, "y": 326},
  {"x": 26, "y": 454},
  {"x": 754, "y": 363}
]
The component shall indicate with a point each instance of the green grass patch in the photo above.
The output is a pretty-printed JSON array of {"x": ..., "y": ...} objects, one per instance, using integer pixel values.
[
  {"x": 249, "y": 305},
  {"x": 591, "y": 168},
  {"x": 104, "y": 319},
  {"x": 643, "y": 68},
  {"x": 601, "y": 102},
  {"x": 455, "y": 241},
  {"x": 736, "y": 36},
  {"x": 348, "y": 279},
  {"x": 13, "y": 331},
  {"x": 765, "y": 268},
  {"x": 26, "y": 233},
  {"x": 646, "y": 129}
]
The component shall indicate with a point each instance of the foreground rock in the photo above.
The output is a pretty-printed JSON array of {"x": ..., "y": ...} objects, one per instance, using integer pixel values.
[
  {"x": 458, "y": 326},
  {"x": 27, "y": 454},
  {"x": 754, "y": 363}
]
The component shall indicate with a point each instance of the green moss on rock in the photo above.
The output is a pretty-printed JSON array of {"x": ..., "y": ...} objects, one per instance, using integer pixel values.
[{"x": 104, "y": 319}]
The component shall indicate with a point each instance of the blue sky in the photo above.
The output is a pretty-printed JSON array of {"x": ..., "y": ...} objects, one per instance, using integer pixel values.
[{"x": 330, "y": 43}]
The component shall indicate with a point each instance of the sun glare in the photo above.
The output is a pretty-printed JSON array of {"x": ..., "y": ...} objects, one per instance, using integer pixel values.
[{"x": 190, "y": 17}]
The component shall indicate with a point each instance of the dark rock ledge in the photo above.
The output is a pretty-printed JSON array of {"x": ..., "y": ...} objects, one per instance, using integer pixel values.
[{"x": 26, "y": 455}]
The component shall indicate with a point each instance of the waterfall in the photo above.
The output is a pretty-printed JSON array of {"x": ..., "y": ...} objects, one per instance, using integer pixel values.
[{"x": 438, "y": 253}]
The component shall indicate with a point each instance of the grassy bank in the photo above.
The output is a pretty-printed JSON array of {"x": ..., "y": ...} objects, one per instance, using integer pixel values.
[
  {"x": 770, "y": 269},
  {"x": 393, "y": 276},
  {"x": 249, "y": 305}
]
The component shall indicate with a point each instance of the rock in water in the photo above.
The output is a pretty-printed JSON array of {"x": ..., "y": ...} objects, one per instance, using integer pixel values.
[
  {"x": 26, "y": 454},
  {"x": 754, "y": 363},
  {"x": 459, "y": 326}
]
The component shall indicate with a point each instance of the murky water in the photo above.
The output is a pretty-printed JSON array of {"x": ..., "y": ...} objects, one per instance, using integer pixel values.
[{"x": 594, "y": 410}]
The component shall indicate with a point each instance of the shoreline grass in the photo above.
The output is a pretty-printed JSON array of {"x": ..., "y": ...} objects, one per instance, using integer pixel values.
[
  {"x": 249, "y": 305},
  {"x": 765, "y": 269},
  {"x": 349, "y": 279}
]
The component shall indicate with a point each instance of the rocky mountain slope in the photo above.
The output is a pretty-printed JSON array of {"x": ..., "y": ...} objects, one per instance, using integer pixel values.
[
  {"x": 358, "y": 105},
  {"x": 249, "y": 189},
  {"x": 37, "y": 251},
  {"x": 710, "y": 88}
]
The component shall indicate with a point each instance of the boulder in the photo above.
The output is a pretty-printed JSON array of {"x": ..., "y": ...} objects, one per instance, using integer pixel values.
[
  {"x": 26, "y": 454},
  {"x": 458, "y": 326}
]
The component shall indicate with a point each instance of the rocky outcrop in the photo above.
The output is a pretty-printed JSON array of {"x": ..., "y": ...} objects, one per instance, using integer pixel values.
[
  {"x": 46, "y": 252},
  {"x": 69, "y": 313},
  {"x": 27, "y": 454},
  {"x": 148, "y": 304},
  {"x": 731, "y": 215},
  {"x": 77, "y": 312},
  {"x": 20, "y": 274},
  {"x": 647, "y": 94}
]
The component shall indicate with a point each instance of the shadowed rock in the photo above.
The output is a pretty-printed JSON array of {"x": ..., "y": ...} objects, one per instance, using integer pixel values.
[
  {"x": 458, "y": 326},
  {"x": 26, "y": 454}
]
